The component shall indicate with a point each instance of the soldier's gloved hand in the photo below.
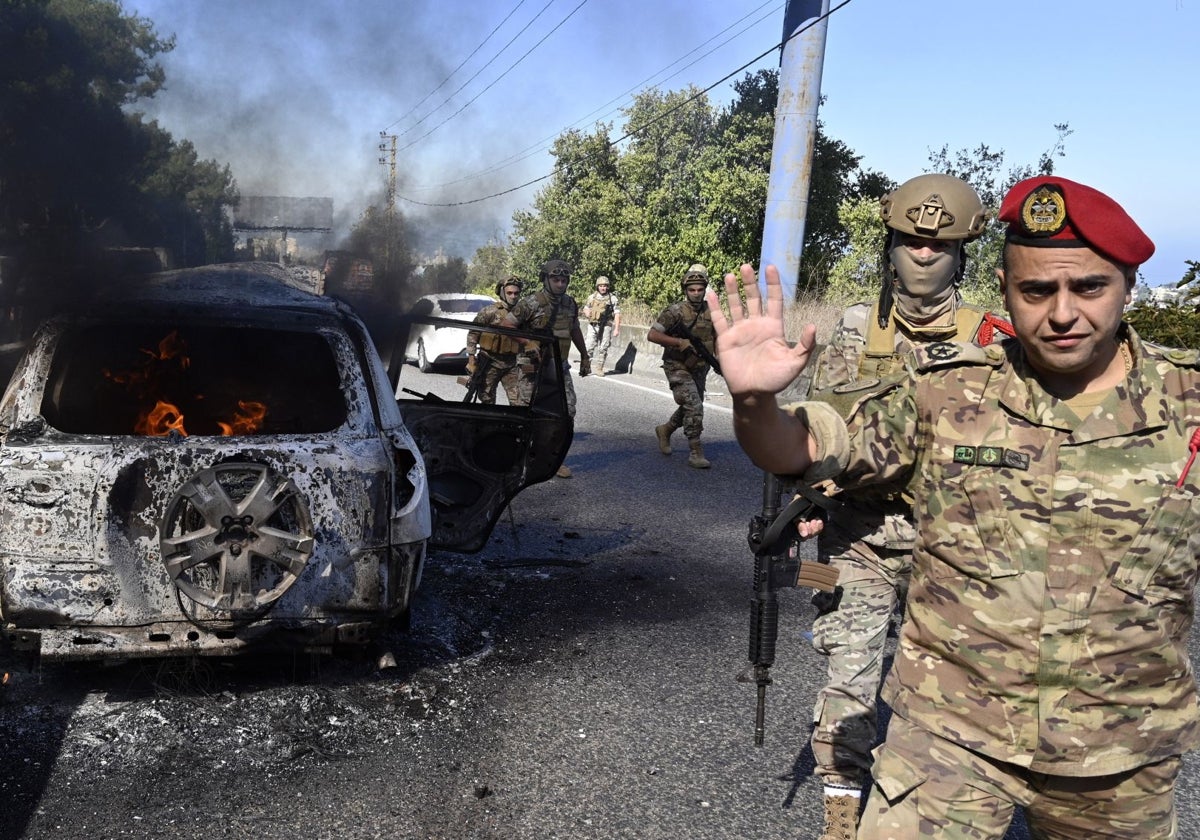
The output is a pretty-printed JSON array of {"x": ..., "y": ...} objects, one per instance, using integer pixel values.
[
  {"x": 585, "y": 366},
  {"x": 470, "y": 364},
  {"x": 685, "y": 346}
]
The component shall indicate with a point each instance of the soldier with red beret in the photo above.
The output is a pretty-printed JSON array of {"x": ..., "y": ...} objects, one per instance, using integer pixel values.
[{"x": 1042, "y": 662}]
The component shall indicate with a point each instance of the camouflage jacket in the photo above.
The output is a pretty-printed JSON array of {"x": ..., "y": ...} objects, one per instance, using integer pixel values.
[
  {"x": 848, "y": 367},
  {"x": 540, "y": 311},
  {"x": 1055, "y": 562},
  {"x": 492, "y": 343},
  {"x": 698, "y": 323}
]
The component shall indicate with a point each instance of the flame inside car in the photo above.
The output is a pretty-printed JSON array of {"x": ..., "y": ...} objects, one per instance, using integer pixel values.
[
  {"x": 156, "y": 372},
  {"x": 155, "y": 380}
]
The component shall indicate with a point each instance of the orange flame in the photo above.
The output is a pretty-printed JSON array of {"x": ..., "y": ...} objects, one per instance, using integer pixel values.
[
  {"x": 246, "y": 420},
  {"x": 160, "y": 421}
]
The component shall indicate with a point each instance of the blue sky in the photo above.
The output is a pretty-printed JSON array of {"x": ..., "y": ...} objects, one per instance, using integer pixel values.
[{"x": 294, "y": 93}]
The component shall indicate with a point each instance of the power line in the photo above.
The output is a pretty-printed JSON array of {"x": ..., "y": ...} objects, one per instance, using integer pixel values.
[
  {"x": 544, "y": 143},
  {"x": 639, "y": 128},
  {"x": 405, "y": 116},
  {"x": 582, "y": 3}
]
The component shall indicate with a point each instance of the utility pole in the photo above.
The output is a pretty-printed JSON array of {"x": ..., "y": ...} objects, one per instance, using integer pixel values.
[
  {"x": 390, "y": 162},
  {"x": 795, "y": 138}
]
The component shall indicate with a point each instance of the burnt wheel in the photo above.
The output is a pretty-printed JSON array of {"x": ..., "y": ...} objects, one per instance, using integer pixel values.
[{"x": 235, "y": 537}]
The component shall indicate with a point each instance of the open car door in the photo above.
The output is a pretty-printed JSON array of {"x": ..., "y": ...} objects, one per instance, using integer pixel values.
[{"x": 479, "y": 456}]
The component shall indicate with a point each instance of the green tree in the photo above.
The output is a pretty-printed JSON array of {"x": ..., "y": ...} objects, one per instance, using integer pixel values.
[
  {"x": 74, "y": 159},
  {"x": 685, "y": 183},
  {"x": 1175, "y": 324},
  {"x": 488, "y": 267}
]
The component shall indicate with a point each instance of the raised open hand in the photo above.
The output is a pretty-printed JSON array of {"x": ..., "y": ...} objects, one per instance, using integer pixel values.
[{"x": 755, "y": 355}]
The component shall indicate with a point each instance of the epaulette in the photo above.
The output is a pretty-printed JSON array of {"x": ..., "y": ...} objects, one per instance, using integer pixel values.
[
  {"x": 943, "y": 354},
  {"x": 1178, "y": 356}
]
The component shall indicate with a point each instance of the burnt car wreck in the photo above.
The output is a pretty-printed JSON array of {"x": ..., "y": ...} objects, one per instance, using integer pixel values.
[{"x": 202, "y": 461}]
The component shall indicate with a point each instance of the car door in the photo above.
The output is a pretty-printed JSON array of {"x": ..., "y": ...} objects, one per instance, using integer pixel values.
[{"x": 478, "y": 456}]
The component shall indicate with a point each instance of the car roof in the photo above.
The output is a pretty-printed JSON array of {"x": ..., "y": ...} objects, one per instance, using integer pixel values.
[{"x": 243, "y": 287}]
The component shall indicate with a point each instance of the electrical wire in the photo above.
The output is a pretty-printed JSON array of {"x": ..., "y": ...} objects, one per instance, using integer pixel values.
[
  {"x": 546, "y": 142},
  {"x": 512, "y": 67},
  {"x": 442, "y": 83},
  {"x": 637, "y": 129}
]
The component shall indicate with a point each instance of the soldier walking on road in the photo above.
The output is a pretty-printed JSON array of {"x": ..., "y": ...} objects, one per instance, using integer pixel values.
[
  {"x": 493, "y": 356},
  {"x": 1043, "y": 660},
  {"x": 869, "y": 539},
  {"x": 603, "y": 313},
  {"x": 551, "y": 309},
  {"x": 678, "y": 329}
]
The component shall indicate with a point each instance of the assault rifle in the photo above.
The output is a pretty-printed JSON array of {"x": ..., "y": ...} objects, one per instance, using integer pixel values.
[
  {"x": 681, "y": 330},
  {"x": 475, "y": 381},
  {"x": 775, "y": 544}
]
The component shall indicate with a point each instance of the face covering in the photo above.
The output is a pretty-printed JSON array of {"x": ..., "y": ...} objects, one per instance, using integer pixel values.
[{"x": 924, "y": 289}]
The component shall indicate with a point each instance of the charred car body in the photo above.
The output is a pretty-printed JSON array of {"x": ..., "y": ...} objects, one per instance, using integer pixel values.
[{"x": 201, "y": 461}]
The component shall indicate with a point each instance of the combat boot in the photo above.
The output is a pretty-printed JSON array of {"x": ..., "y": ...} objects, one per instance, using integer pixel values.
[
  {"x": 663, "y": 433},
  {"x": 841, "y": 817},
  {"x": 696, "y": 458}
]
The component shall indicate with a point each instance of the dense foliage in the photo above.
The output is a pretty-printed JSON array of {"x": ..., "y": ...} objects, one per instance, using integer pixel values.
[
  {"x": 79, "y": 168},
  {"x": 686, "y": 182},
  {"x": 1176, "y": 324}
]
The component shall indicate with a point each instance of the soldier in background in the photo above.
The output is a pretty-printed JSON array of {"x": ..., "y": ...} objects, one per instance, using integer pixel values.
[
  {"x": 929, "y": 219},
  {"x": 1043, "y": 660},
  {"x": 494, "y": 354},
  {"x": 550, "y": 309},
  {"x": 603, "y": 313},
  {"x": 676, "y": 329}
]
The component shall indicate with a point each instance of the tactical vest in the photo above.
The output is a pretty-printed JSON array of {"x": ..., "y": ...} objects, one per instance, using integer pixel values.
[
  {"x": 557, "y": 317},
  {"x": 494, "y": 343},
  {"x": 600, "y": 314},
  {"x": 881, "y": 364},
  {"x": 880, "y": 359},
  {"x": 700, "y": 325}
]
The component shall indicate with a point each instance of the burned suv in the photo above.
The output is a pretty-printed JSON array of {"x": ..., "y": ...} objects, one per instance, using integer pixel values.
[{"x": 201, "y": 461}]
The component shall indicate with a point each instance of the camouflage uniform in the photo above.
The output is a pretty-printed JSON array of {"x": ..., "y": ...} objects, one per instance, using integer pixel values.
[
  {"x": 601, "y": 311},
  {"x": 869, "y": 541},
  {"x": 541, "y": 312},
  {"x": 498, "y": 353},
  {"x": 1053, "y": 573},
  {"x": 686, "y": 372}
]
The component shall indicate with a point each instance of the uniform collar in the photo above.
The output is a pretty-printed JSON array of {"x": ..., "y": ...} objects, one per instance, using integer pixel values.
[{"x": 1137, "y": 404}]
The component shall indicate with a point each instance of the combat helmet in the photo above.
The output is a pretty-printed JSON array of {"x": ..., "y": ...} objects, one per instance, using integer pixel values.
[
  {"x": 935, "y": 206},
  {"x": 512, "y": 280},
  {"x": 696, "y": 273},
  {"x": 603, "y": 280},
  {"x": 553, "y": 268}
]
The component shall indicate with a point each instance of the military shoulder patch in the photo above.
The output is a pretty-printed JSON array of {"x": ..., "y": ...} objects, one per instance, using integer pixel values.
[{"x": 941, "y": 354}]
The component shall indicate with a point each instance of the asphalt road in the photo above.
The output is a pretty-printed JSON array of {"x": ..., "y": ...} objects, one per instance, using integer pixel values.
[{"x": 579, "y": 678}]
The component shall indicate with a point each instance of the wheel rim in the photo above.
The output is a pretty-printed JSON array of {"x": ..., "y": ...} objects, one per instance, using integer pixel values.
[{"x": 235, "y": 537}]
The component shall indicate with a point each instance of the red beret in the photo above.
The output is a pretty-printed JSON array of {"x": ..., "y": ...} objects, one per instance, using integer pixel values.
[{"x": 1052, "y": 212}]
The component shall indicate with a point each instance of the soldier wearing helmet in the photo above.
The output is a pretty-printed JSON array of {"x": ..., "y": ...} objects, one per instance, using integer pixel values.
[
  {"x": 679, "y": 329},
  {"x": 929, "y": 219},
  {"x": 602, "y": 312},
  {"x": 550, "y": 309},
  {"x": 492, "y": 357}
]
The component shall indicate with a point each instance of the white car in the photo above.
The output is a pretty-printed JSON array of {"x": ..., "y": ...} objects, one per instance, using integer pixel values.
[
  {"x": 428, "y": 344},
  {"x": 203, "y": 461}
]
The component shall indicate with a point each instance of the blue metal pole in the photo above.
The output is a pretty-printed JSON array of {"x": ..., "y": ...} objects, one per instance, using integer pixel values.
[{"x": 795, "y": 136}]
